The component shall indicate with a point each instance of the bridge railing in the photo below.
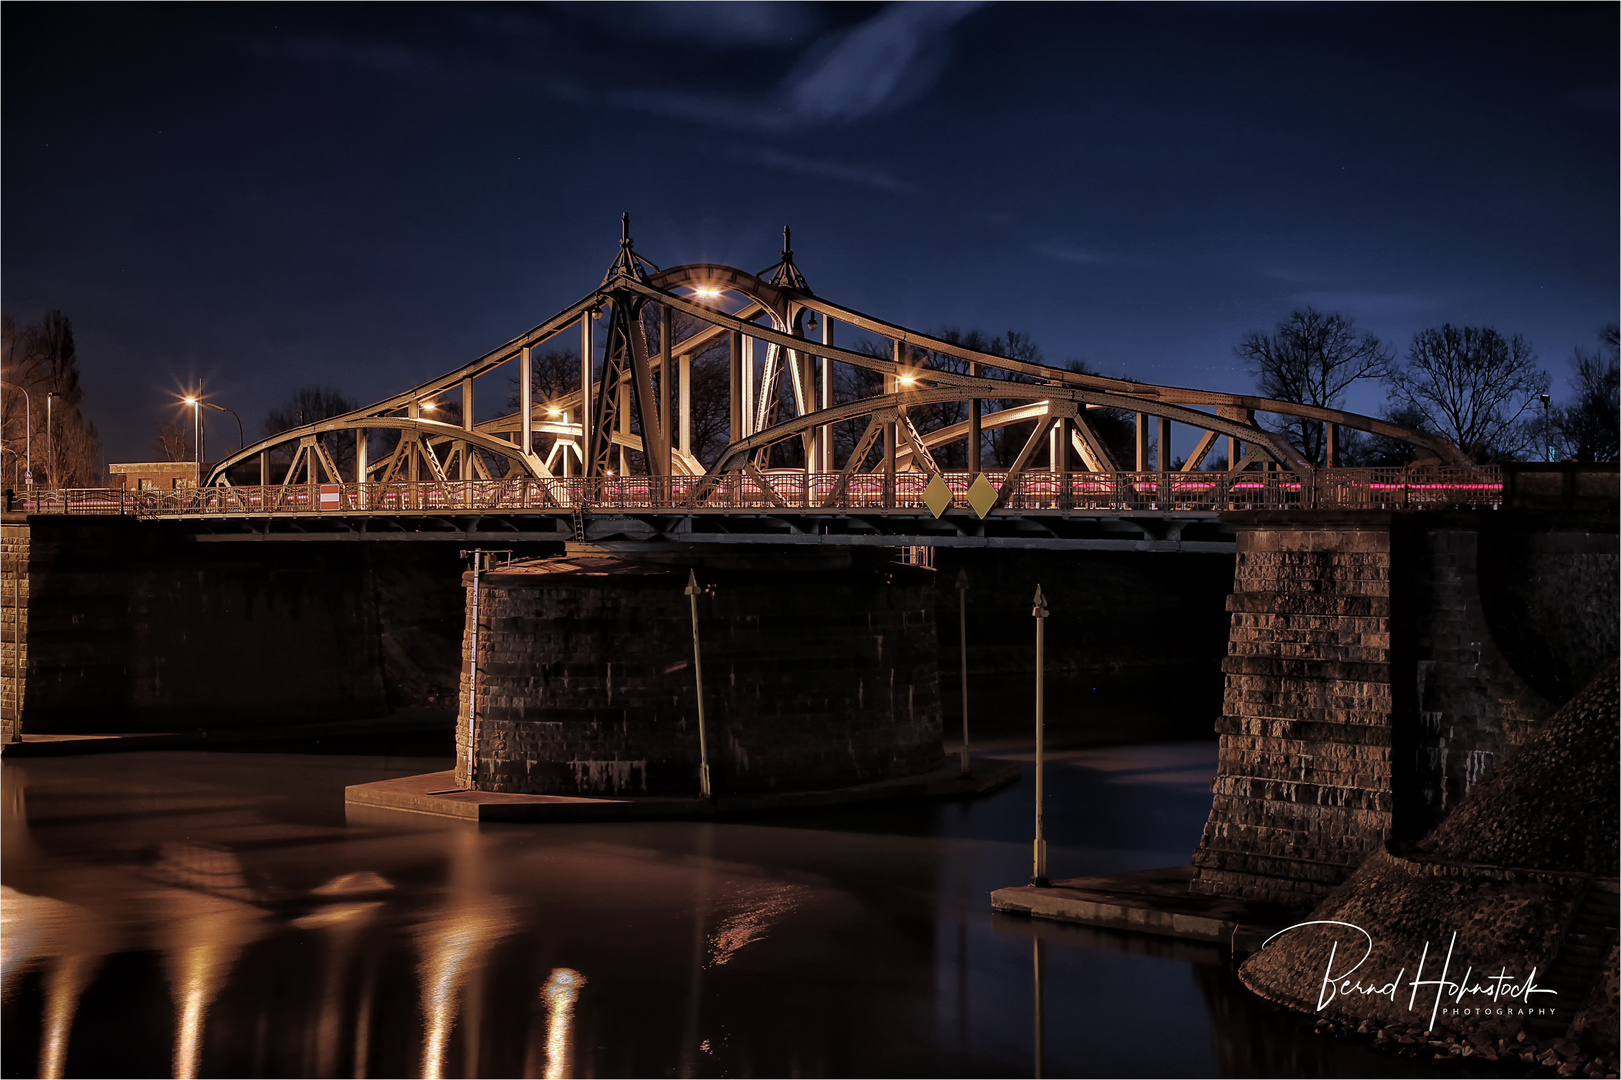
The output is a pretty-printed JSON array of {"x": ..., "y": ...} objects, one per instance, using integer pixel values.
[{"x": 796, "y": 490}]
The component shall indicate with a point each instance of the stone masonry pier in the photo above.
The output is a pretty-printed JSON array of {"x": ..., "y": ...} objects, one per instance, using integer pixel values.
[{"x": 1378, "y": 666}]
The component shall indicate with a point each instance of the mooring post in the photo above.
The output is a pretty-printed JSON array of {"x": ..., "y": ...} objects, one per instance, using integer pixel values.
[
  {"x": 698, "y": 674},
  {"x": 1040, "y": 613},
  {"x": 962, "y": 628}
]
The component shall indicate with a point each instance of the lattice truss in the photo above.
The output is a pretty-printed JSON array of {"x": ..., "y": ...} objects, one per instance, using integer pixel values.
[{"x": 631, "y": 408}]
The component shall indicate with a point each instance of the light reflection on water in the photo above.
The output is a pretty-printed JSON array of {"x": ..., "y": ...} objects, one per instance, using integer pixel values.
[{"x": 297, "y": 941}]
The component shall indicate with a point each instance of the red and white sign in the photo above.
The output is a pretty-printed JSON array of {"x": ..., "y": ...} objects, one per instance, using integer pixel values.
[{"x": 331, "y": 497}]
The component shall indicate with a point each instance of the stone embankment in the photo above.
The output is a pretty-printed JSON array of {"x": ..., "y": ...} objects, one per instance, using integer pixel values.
[{"x": 1521, "y": 876}]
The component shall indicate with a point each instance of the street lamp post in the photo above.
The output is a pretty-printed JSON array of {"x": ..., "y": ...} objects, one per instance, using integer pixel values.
[
  {"x": 239, "y": 440},
  {"x": 197, "y": 434},
  {"x": 50, "y": 440}
]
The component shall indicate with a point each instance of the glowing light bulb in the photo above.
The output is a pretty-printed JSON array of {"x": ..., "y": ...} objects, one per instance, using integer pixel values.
[{"x": 706, "y": 292}]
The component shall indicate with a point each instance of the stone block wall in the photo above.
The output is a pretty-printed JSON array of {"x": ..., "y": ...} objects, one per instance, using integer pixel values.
[
  {"x": 14, "y": 547},
  {"x": 1366, "y": 693},
  {"x": 1303, "y": 789},
  {"x": 811, "y": 680}
]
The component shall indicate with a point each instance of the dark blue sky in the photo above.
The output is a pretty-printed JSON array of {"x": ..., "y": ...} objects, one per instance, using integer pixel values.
[{"x": 266, "y": 197}]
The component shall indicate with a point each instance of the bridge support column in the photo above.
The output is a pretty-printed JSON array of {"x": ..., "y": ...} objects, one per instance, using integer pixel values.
[
  {"x": 1142, "y": 442},
  {"x": 1366, "y": 692},
  {"x": 466, "y": 455}
]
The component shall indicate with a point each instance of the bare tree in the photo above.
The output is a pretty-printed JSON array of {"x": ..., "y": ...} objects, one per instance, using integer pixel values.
[
  {"x": 173, "y": 441},
  {"x": 1312, "y": 358},
  {"x": 1474, "y": 386},
  {"x": 42, "y": 359},
  {"x": 1590, "y": 426}
]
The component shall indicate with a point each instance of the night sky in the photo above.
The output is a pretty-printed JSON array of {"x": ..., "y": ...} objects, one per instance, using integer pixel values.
[{"x": 362, "y": 197}]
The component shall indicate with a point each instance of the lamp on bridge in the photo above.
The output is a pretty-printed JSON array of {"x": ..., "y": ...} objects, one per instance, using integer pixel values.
[{"x": 706, "y": 292}]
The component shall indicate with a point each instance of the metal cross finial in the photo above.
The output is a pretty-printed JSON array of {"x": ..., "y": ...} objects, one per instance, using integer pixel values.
[
  {"x": 624, "y": 227},
  {"x": 1040, "y": 611},
  {"x": 787, "y": 248}
]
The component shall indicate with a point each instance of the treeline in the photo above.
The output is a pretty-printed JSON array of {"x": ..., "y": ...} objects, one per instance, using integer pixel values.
[
  {"x": 43, "y": 434},
  {"x": 1483, "y": 390}
]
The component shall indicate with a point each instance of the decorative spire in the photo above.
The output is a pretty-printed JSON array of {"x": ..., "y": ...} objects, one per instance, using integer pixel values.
[
  {"x": 785, "y": 273},
  {"x": 627, "y": 263}
]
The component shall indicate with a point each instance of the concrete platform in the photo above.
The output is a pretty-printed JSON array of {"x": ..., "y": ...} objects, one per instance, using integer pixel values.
[
  {"x": 437, "y": 794},
  {"x": 1151, "y": 902},
  {"x": 58, "y": 745}
]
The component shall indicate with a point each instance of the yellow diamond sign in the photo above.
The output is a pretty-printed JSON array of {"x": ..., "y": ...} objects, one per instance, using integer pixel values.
[
  {"x": 937, "y": 496},
  {"x": 982, "y": 495}
]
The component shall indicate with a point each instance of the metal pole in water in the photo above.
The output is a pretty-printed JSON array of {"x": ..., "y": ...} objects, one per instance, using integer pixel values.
[
  {"x": 962, "y": 626},
  {"x": 698, "y": 673},
  {"x": 472, "y": 672},
  {"x": 1039, "y": 877}
]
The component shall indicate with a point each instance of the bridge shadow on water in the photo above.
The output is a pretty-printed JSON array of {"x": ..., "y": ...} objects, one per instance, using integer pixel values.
[{"x": 219, "y": 914}]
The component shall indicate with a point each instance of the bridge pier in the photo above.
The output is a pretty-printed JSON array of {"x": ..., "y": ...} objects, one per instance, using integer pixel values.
[
  {"x": 820, "y": 671},
  {"x": 1375, "y": 674}
]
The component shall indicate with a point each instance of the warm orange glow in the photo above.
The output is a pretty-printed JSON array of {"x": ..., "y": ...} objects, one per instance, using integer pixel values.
[
  {"x": 706, "y": 292},
  {"x": 562, "y": 989},
  {"x": 190, "y": 400},
  {"x": 906, "y": 380},
  {"x": 429, "y": 405}
]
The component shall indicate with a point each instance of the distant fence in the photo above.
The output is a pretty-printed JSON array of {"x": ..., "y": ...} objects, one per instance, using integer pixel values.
[{"x": 796, "y": 490}]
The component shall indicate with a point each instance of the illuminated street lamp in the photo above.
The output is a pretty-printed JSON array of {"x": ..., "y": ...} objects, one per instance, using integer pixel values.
[{"x": 196, "y": 432}]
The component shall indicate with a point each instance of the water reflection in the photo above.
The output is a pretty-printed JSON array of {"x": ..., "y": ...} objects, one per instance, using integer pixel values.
[
  {"x": 453, "y": 941},
  {"x": 72, "y": 942},
  {"x": 294, "y": 941},
  {"x": 201, "y": 936},
  {"x": 558, "y": 996}
]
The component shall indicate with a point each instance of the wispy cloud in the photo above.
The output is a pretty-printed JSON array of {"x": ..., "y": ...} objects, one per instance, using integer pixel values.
[
  {"x": 872, "y": 68},
  {"x": 1083, "y": 256},
  {"x": 870, "y": 176}
]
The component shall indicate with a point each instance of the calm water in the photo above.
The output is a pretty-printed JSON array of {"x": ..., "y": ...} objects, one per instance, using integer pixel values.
[{"x": 218, "y": 914}]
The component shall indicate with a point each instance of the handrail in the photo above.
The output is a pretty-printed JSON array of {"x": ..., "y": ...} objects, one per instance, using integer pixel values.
[{"x": 785, "y": 490}]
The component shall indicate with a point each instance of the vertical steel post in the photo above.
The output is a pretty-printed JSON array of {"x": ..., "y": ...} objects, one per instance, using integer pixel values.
[
  {"x": 962, "y": 635},
  {"x": 827, "y": 395},
  {"x": 587, "y": 388},
  {"x": 666, "y": 429},
  {"x": 735, "y": 359},
  {"x": 748, "y": 386},
  {"x": 1142, "y": 443},
  {"x": 698, "y": 675},
  {"x": 974, "y": 433},
  {"x": 1039, "y": 877},
  {"x": 624, "y": 426},
  {"x": 526, "y": 401},
  {"x": 362, "y": 462},
  {"x": 685, "y": 407},
  {"x": 472, "y": 674}
]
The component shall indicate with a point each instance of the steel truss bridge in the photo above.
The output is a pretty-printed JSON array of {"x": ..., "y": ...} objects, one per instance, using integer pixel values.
[{"x": 615, "y": 453}]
